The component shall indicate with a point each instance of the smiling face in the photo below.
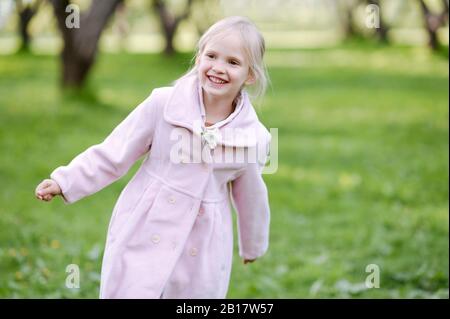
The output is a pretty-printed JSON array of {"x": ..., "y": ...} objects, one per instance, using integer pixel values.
[{"x": 223, "y": 67}]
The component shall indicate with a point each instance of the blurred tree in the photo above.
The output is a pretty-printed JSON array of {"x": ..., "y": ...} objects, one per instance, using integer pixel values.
[
  {"x": 170, "y": 21},
  {"x": 81, "y": 43},
  {"x": 345, "y": 10},
  {"x": 433, "y": 21},
  {"x": 26, "y": 11},
  {"x": 121, "y": 25},
  {"x": 346, "y": 13},
  {"x": 204, "y": 13}
]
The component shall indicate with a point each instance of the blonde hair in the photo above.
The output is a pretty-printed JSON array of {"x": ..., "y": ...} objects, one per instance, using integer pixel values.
[{"x": 254, "y": 48}]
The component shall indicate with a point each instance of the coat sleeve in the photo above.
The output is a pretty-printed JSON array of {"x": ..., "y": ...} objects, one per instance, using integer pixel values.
[
  {"x": 251, "y": 202},
  {"x": 101, "y": 164}
]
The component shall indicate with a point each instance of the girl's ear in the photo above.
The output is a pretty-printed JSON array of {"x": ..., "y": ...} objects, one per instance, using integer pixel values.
[{"x": 250, "y": 79}]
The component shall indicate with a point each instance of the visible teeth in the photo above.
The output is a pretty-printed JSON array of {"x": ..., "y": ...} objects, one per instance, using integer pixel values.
[{"x": 216, "y": 80}]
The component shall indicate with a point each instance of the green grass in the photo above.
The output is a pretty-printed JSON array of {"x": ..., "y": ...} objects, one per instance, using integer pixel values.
[{"x": 362, "y": 176}]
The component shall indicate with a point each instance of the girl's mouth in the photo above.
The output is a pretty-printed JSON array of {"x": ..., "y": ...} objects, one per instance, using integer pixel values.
[{"x": 216, "y": 81}]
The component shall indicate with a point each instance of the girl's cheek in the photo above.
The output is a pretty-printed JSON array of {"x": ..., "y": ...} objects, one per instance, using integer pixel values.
[{"x": 203, "y": 69}]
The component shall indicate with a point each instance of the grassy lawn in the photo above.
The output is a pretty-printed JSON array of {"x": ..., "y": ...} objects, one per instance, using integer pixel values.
[{"x": 362, "y": 176}]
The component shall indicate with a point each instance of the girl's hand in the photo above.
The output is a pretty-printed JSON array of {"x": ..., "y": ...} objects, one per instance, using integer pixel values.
[
  {"x": 246, "y": 261},
  {"x": 47, "y": 189}
]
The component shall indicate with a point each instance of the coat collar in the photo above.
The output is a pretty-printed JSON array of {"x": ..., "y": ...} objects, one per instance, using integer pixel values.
[{"x": 184, "y": 108}]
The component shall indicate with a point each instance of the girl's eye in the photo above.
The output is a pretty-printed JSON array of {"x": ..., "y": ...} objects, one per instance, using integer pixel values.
[
  {"x": 234, "y": 62},
  {"x": 210, "y": 55}
]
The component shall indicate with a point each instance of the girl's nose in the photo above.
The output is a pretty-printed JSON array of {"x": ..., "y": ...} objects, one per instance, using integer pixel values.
[{"x": 218, "y": 68}]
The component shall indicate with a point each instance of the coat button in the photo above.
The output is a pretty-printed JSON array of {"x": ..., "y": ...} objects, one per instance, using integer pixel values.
[
  {"x": 171, "y": 199},
  {"x": 194, "y": 251},
  {"x": 184, "y": 160},
  {"x": 156, "y": 238},
  {"x": 201, "y": 211}
]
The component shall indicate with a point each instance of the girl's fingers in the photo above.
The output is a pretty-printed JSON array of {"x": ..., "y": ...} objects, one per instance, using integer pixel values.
[
  {"x": 43, "y": 189},
  {"x": 41, "y": 186},
  {"x": 53, "y": 188},
  {"x": 39, "y": 192},
  {"x": 46, "y": 187},
  {"x": 45, "y": 183}
]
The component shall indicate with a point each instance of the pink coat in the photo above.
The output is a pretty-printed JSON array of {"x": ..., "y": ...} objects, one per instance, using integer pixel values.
[{"x": 171, "y": 233}]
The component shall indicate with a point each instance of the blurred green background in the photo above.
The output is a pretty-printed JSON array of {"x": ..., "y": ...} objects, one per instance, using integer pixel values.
[{"x": 362, "y": 118}]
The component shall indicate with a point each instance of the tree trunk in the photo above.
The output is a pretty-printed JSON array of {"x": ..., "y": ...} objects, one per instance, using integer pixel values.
[
  {"x": 170, "y": 22},
  {"x": 75, "y": 68},
  {"x": 349, "y": 28},
  {"x": 26, "y": 13},
  {"x": 23, "y": 29},
  {"x": 382, "y": 33},
  {"x": 433, "y": 22},
  {"x": 81, "y": 44},
  {"x": 344, "y": 10},
  {"x": 169, "y": 49}
]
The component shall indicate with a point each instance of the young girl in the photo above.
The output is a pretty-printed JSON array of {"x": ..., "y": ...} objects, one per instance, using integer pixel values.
[{"x": 171, "y": 235}]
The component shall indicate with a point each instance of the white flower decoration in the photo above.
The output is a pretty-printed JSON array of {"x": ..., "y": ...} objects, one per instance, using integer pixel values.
[{"x": 211, "y": 135}]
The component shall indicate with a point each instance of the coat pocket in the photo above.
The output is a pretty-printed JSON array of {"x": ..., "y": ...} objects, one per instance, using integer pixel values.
[{"x": 129, "y": 199}]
